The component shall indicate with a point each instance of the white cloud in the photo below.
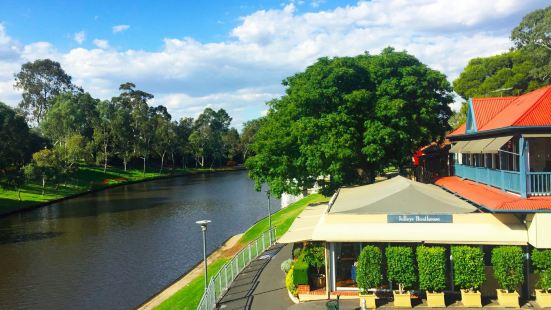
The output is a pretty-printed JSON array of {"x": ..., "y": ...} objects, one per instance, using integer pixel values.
[
  {"x": 103, "y": 44},
  {"x": 243, "y": 72},
  {"x": 79, "y": 37},
  {"x": 120, "y": 28}
]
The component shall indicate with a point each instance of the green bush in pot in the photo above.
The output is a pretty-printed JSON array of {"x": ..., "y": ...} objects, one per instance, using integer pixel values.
[
  {"x": 541, "y": 261},
  {"x": 431, "y": 263},
  {"x": 368, "y": 272},
  {"x": 508, "y": 266},
  {"x": 468, "y": 267},
  {"x": 400, "y": 265}
]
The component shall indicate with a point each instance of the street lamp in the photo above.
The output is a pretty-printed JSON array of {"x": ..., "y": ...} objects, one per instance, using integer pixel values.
[
  {"x": 269, "y": 216},
  {"x": 203, "y": 225}
]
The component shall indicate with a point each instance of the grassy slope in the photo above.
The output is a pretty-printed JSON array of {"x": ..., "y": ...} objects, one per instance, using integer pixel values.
[
  {"x": 190, "y": 295},
  {"x": 87, "y": 178}
]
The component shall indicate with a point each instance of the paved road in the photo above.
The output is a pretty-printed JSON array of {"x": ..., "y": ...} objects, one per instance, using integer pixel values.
[{"x": 260, "y": 286}]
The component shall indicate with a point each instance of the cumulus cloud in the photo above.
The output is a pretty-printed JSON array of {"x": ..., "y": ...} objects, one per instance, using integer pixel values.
[
  {"x": 103, "y": 44},
  {"x": 79, "y": 37},
  {"x": 241, "y": 73},
  {"x": 120, "y": 28}
]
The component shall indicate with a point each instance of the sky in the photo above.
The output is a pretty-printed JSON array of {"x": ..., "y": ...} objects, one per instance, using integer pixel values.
[{"x": 234, "y": 54}]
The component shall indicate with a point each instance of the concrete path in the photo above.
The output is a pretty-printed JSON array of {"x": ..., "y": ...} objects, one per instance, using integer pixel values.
[{"x": 260, "y": 286}]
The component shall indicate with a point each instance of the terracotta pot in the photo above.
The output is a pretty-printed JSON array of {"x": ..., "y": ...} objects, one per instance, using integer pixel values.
[
  {"x": 402, "y": 300},
  {"x": 543, "y": 299},
  {"x": 508, "y": 300},
  {"x": 436, "y": 300},
  {"x": 471, "y": 299},
  {"x": 369, "y": 300}
]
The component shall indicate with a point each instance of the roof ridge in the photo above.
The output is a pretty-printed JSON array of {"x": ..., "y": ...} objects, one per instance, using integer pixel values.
[{"x": 536, "y": 104}]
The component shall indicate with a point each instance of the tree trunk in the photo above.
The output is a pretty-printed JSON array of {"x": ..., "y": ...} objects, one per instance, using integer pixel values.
[
  {"x": 144, "y": 166},
  {"x": 124, "y": 163},
  {"x": 43, "y": 185},
  {"x": 162, "y": 162},
  {"x": 19, "y": 194},
  {"x": 104, "y": 158}
]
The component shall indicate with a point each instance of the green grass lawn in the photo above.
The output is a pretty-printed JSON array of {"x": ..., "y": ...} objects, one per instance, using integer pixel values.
[
  {"x": 190, "y": 295},
  {"x": 85, "y": 179}
]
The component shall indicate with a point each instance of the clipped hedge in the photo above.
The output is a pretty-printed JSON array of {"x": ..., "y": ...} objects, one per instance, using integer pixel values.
[
  {"x": 541, "y": 261},
  {"x": 431, "y": 263},
  {"x": 368, "y": 272},
  {"x": 290, "y": 282},
  {"x": 508, "y": 262},
  {"x": 468, "y": 266},
  {"x": 300, "y": 272},
  {"x": 400, "y": 265}
]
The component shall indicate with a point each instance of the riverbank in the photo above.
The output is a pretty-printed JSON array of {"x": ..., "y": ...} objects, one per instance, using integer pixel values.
[
  {"x": 86, "y": 180},
  {"x": 186, "y": 292}
]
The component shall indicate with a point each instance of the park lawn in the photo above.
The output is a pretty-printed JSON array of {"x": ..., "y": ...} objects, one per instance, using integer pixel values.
[
  {"x": 85, "y": 179},
  {"x": 190, "y": 295}
]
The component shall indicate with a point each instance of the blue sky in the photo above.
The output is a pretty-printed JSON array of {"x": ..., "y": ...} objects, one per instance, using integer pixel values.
[{"x": 234, "y": 54}]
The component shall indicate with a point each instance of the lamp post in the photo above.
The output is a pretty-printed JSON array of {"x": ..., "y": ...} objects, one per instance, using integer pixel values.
[
  {"x": 269, "y": 216},
  {"x": 203, "y": 225}
]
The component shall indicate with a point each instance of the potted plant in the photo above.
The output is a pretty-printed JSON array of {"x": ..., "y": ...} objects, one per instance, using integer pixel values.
[
  {"x": 369, "y": 275},
  {"x": 507, "y": 262},
  {"x": 401, "y": 270},
  {"x": 468, "y": 266},
  {"x": 541, "y": 261},
  {"x": 314, "y": 256},
  {"x": 431, "y": 263}
]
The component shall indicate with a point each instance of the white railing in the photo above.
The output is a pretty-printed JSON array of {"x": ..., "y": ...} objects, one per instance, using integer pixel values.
[{"x": 221, "y": 281}]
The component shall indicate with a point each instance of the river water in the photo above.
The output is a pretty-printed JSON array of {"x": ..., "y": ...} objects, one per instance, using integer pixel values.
[{"x": 115, "y": 248}]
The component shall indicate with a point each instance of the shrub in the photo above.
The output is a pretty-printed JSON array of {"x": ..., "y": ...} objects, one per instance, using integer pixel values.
[
  {"x": 314, "y": 256},
  {"x": 297, "y": 252},
  {"x": 290, "y": 282},
  {"x": 431, "y": 263},
  {"x": 507, "y": 262},
  {"x": 541, "y": 261},
  {"x": 368, "y": 274},
  {"x": 286, "y": 265},
  {"x": 400, "y": 266},
  {"x": 300, "y": 272},
  {"x": 468, "y": 266}
]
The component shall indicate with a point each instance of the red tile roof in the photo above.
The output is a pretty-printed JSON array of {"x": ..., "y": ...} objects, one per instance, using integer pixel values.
[
  {"x": 492, "y": 198},
  {"x": 530, "y": 109}
]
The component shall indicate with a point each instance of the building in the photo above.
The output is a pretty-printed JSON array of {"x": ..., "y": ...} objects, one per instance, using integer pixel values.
[{"x": 498, "y": 193}]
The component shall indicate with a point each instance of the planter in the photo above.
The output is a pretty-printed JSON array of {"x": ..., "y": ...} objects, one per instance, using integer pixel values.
[
  {"x": 508, "y": 300},
  {"x": 471, "y": 299},
  {"x": 319, "y": 281},
  {"x": 402, "y": 300},
  {"x": 436, "y": 300},
  {"x": 369, "y": 300},
  {"x": 543, "y": 299}
]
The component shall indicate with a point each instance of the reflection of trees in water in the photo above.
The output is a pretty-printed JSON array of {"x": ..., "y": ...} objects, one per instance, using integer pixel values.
[{"x": 13, "y": 237}]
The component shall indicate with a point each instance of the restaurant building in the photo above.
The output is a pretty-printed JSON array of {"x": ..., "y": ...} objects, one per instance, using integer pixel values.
[{"x": 498, "y": 192}]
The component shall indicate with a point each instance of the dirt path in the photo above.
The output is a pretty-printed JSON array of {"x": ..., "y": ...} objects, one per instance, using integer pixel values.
[{"x": 227, "y": 249}]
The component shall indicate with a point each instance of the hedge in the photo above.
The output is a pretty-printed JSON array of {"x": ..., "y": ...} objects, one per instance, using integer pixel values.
[
  {"x": 541, "y": 261},
  {"x": 507, "y": 262},
  {"x": 431, "y": 263},
  {"x": 368, "y": 272},
  {"x": 468, "y": 267},
  {"x": 290, "y": 282},
  {"x": 300, "y": 272},
  {"x": 400, "y": 266}
]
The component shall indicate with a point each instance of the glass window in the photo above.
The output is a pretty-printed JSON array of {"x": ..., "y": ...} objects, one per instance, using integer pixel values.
[{"x": 346, "y": 257}]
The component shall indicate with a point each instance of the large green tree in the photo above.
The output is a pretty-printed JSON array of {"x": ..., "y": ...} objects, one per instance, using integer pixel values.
[
  {"x": 250, "y": 128},
  {"x": 344, "y": 119},
  {"x": 41, "y": 81}
]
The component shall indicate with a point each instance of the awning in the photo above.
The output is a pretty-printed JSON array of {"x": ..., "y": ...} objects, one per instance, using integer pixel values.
[
  {"x": 303, "y": 226},
  {"x": 537, "y": 135},
  {"x": 474, "y": 228},
  {"x": 496, "y": 144},
  {"x": 458, "y": 147},
  {"x": 477, "y": 146}
]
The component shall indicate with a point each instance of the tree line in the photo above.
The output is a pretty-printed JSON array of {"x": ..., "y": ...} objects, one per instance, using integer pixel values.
[{"x": 57, "y": 126}]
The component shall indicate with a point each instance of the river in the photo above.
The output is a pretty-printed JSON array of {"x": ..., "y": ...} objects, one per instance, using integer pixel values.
[{"x": 115, "y": 248}]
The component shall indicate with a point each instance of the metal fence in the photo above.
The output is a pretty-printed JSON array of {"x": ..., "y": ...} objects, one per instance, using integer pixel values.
[{"x": 222, "y": 280}]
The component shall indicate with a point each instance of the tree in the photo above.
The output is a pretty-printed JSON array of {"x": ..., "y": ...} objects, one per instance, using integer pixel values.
[
  {"x": 401, "y": 269},
  {"x": 231, "y": 144},
  {"x": 40, "y": 81},
  {"x": 250, "y": 128},
  {"x": 533, "y": 35},
  {"x": 18, "y": 142},
  {"x": 460, "y": 117},
  {"x": 344, "y": 119},
  {"x": 183, "y": 132},
  {"x": 164, "y": 135},
  {"x": 369, "y": 274},
  {"x": 104, "y": 130},
  {"x": 45, "y": 166},
  {"x": 207, "y": 140}
]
